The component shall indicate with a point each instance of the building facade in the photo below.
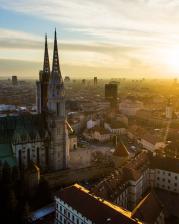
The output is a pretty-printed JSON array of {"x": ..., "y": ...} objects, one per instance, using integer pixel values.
[
  {"x": 140, "y": 174},
  {"x": 95, "y": 211}
]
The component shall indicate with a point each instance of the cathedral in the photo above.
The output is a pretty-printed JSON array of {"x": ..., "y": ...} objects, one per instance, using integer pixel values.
[{"x": 42, "y": 138}]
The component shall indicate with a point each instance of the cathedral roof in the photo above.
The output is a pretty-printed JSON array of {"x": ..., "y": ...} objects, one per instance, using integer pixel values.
[
  {"x": 22, "y": 125},
  {"x": 6, "y": 154}
]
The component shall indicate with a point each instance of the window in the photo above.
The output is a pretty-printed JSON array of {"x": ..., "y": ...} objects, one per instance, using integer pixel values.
[
  {"x": 175, "y": 184},
  {"x": 28, "y": 156},
  {"x": 38, "y": 156},
  {"x": 68, "y": 215},
  {"x": 163, "y": 179},
  {"x": 73, "y": 217},
  {"x": 168, "y": 181},
  {"x": 169, "y": 174},
  {"x": 175, "y": 177}
]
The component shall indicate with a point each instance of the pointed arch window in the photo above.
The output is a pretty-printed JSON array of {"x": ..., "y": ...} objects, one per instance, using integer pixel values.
[
  {"x": 58, "y": 108},
  {"x": 38, "y": 156},
  {"x": 28, "y": 156},
  {"x": 20, "y": 159}
]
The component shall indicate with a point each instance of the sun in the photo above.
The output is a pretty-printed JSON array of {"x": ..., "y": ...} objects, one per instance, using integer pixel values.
[{"x": 171, "y": 59}]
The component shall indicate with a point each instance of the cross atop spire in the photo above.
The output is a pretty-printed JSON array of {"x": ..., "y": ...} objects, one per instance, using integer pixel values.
[
  {"x": 56, "y": 73},
  {"x": 46, "y": 65}
]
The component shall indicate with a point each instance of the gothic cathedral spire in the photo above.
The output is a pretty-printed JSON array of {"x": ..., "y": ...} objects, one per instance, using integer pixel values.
[
  {"x": 56, "y": 73},
  {"x": 42, "y": 84},
  {"x": 56, "y": 99},
  {"x": 46, "y": 65},
  {"x": 59, "y": 147}
]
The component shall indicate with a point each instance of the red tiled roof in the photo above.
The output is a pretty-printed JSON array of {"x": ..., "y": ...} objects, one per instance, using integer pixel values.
[
  {"x": 121, "y": 150},
  {"x": 134, "y": 168}
]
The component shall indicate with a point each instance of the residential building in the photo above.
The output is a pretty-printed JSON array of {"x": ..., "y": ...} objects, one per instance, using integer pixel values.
[{"x": 75, "y": 204}]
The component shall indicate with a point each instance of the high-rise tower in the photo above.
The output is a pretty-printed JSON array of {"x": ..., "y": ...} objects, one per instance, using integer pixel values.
[
  {"x": 58, "y": 152},
  {"x": 42, "y": 84},
  {"x": 169, "y": 110}
]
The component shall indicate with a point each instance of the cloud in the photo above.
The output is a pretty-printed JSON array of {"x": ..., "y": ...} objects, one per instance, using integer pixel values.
[
  {"x": 119, "y": 34},
  {"x": 31, "y": 48},
  {"x": 28, "y": 69},
  {"x": 143, "y": 15},
  {"x": 132, "y": 22}
]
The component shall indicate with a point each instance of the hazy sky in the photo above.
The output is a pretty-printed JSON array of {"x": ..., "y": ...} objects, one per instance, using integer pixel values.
[{"x": 118, "y": 38}]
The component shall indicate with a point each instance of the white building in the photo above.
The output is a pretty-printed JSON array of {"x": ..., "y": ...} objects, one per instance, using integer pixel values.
[
  {"x": 92, "y": 123},
  {"x": 139, "y": 175},
  {"x": 97, "y": 133},
  {"x": 115, "y": 128},
  {"x": 76, "y": 205},
  {"x": 129, "y": 107},
  {"x": 149, "y": 140}
]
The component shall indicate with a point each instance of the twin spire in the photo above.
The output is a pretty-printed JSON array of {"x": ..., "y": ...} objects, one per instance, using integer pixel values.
[
  {"x": 46, "y": 66},
  {"x": 56, "y": 73}
]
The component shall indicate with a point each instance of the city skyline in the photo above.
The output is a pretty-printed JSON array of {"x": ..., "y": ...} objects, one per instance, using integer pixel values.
[{"x": 132, "y": 39}]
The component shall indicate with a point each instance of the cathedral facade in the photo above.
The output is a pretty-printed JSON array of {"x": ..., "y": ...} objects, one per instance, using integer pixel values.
[{"x": 41, "y": 138}]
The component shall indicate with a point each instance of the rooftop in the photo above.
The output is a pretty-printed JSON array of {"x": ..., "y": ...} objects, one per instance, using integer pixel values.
[
  {"x": 121, "y": 150},
  {"x": 165, "y": 163},
  {"x": 148, "y": 209},
  {"x": 94, "y": 208}
]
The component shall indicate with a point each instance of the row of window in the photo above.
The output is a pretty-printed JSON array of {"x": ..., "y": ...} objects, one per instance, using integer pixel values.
[
  {"x": 168, "y": 187},
  {"x": 68, "y": 215},
  {"x": 67, "y": 221},
  {"x": 169, "y": 174},
  {"x": 163, "y": 179}
]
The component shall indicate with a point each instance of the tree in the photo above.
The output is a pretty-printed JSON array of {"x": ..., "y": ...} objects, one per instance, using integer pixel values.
[
  {"x": 43, "y": 194},
  {"x": 6, "y": 173}
]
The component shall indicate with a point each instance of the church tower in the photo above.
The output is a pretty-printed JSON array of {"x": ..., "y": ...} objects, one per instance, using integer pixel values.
[
  {"x": 42, "y": 84},
  {"x": 58, "y": 152}
]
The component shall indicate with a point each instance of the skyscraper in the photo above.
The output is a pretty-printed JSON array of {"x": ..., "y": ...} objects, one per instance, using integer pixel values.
[
  {"x": 95, "y": 81},
  {"x": 14, "y": 80}
]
